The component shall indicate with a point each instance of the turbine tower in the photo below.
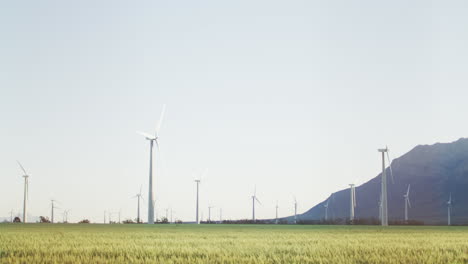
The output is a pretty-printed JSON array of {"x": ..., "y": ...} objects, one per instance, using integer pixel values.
[
  {"x": 295, "y": 210},
  {"x": 276, "y": 219},
  {"x": 138, "y": 196},
  {"x": 209, "y": 213},
  {"x": 352, "y": 202},
  {"x": 407, "y": 203},
  {"x": 326, "y": 209},
  {"x": 384, "y": 204},
  {"x": 52, "y": 210},
  {"x": 152, "y": 139},
  {"x": 197, "y": 220},
  {"x": 449, "y": 210},
  {"x": 26, "y": 193},
  {"x": 254, "y": 198}
]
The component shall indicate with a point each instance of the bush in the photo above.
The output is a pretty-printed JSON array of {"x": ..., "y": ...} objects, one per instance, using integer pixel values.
[{"x": 84, "y": 221}]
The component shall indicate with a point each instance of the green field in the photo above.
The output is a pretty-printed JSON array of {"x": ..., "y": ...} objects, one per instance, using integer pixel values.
[{"x": 46, "y": 243}]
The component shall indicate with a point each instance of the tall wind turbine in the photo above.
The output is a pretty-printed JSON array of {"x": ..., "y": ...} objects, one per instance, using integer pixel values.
[
  {"x": 352, "y": 202},
  {"x": 276, "y": 219},
  {"x": 11, "y": 216},
  {"x": 384, "y": 206},
  {"x": 152, "y": 139},
  {"x": 26, "y": 193},
  {"x": 449, "y": 210},
  {"x": 295, "y": 210},
  {"x": 407, "y": 203},
  {"x": 254, "y": 198},
  {"x": 52, "y": 210},
  {"x": 209, "y": 213},
  {"x": 197, "y": 181},
  {"x": 138, "y": 196}
]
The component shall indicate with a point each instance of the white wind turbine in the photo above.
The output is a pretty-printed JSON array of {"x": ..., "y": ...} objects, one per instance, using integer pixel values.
[
  {"x": 26, "y": 193},
  {"x": 352, "y": 202},
  {"x": 295, "y": 210},
  {"x": 276, "y": 219},
  {"x": 449, "y": 210},
  {"x": 153, "y": 139},
  {"x": 407, "y": 203},
  {"x": 197, "y": 181},
  {"x": 254, "y": 198},
  {"x": 209, "y": 213},
  {"x": 52, "y": 210},
  {"x": 384, "y": 204},
  {"x": 138, "y": 196}
]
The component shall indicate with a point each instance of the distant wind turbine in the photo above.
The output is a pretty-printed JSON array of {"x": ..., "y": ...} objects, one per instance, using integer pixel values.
[
  {"x": 138, "y": 196},
  {"x": 52, "y": 210},
  {"x": 209, "y": 213},
  {"x": 352, "y": 202},
  {"x": 26, "y": 193},
  {"x": 295, "y": 210},
  {"x": 153, "y": 139},
  {"x": 11, "y": 216},
  {"x": 254, "y": 199},
  {"x": 276, "y": 219},
  {"x": 407, "y": 203},
  {"x": 197, "y": 181},
  {"x": 449, "y": 210}
]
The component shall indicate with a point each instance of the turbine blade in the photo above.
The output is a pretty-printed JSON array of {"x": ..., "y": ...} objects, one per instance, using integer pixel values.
[
  {"x": 158, "y": 126},
  {"x": 407, "y": 192},
  {"x": 257, "y": 200},
  {"x": 146, "y": 135},
  {"x": 157, "y": 145},
  {"x": 409, "y": 204},
  {"x": 22, "y": 168},
  {"x": 141, "y": 187}
]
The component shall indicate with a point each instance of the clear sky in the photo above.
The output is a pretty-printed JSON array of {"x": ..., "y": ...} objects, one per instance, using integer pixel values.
[{"x": 292, "y": 96}]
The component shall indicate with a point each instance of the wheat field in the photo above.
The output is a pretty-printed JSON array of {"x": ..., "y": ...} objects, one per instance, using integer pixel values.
[{"x": 73, "y": 243}]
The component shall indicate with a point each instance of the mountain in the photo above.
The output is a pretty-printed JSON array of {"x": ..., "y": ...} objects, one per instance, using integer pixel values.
[{"x": 434, "y": 171}]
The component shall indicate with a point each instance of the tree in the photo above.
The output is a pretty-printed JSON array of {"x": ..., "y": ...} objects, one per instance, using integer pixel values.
[
  {"x": 84, "y": 221},
  {"x": 44, "y": 219},
  {"x": 17, "y": 220}
]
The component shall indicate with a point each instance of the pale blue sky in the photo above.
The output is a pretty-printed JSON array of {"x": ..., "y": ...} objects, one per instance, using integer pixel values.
[{"x": 294, "y": 96}]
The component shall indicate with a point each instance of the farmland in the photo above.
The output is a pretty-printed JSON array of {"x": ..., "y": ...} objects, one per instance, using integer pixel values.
[{"x": 72, "y": 243}]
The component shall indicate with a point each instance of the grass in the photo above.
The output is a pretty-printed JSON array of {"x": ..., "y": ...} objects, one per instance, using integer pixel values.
[{"x": 46, "y": 243}]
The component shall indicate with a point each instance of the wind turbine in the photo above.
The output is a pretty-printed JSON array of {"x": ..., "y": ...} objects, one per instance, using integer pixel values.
[
  {"x": 52, "y": 210},
  {"x": 449, "y": 210},
  {"x": 11, "y": 216},
  {"x": 326, "y": 209},
  {"x": 220, "y": 215},
  {"x": 105, "y": 213},
  {"x": 209, "y": 213},
  {"x": 276, "y": 220},
  {"x": 65, "y": 216},
  {"x": 254, "y": 198},
  {"x": 138, "y": 196},
  {"x": 152, "y": 139},
  {"x": 384, "y": 206},
  {"x": 352, "y": 202},
  {"x": 197, "y": 181},
  {"x": 407, "y": 203},
  {"x": 26, "y": 193},
  {"x": 295, "y": 210}
]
